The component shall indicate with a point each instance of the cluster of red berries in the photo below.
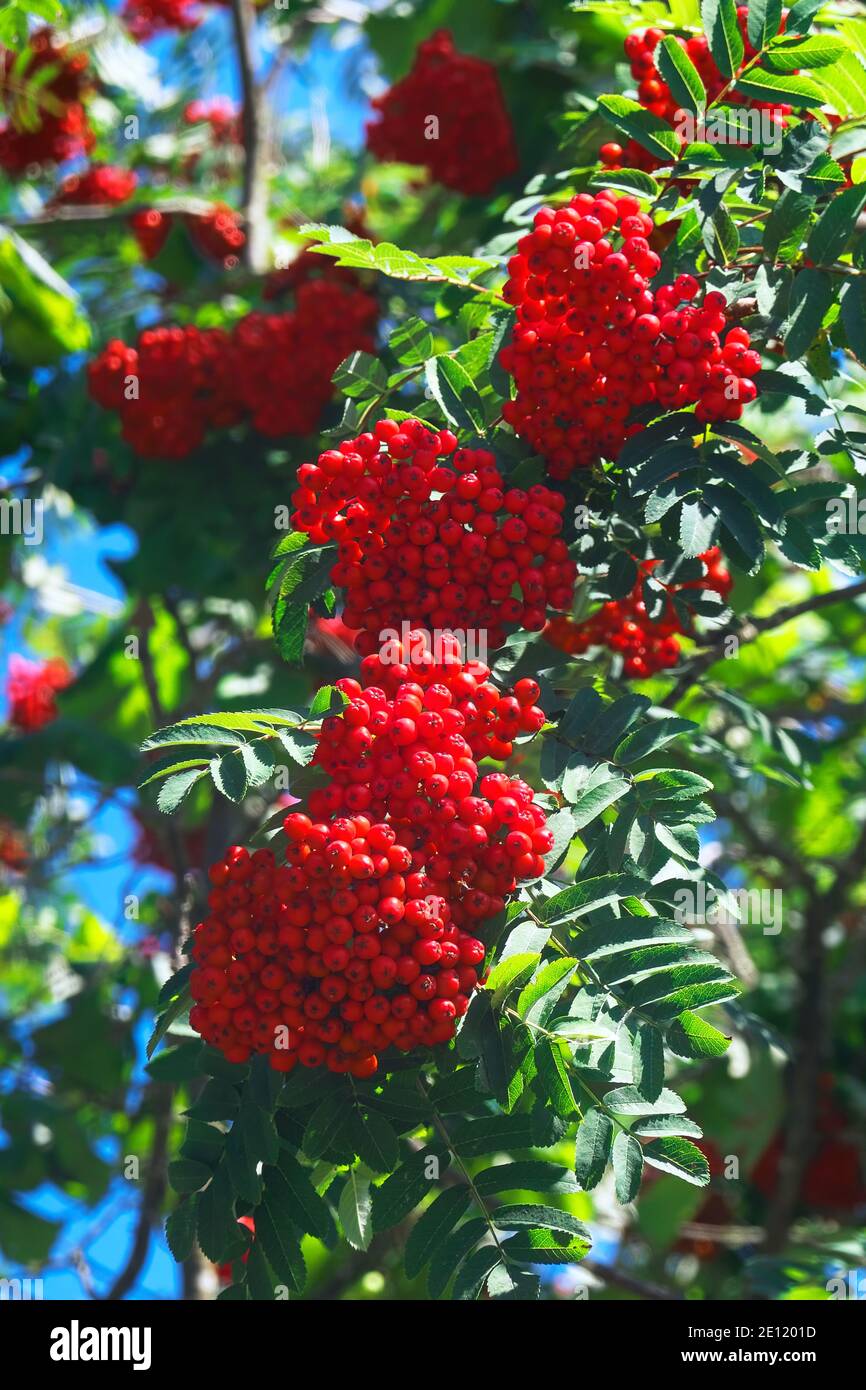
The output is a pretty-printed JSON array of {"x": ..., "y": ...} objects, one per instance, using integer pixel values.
[
  {"x": 30, "y": 689},
  {"x": 655, "y": 95},
  {"x": 835, "y": 1178},
  {"x": 646, "y": 645},
  {"x": 63, "y": 131},
  {"x": 217, "y": 233},
  {"x": 273, "y": 369},
  {"x": 14, "y": 853},
  {"x": 98, "y": 185},
  {"x": 220, "y": 113},
  {"x": 367, "y": 936},
  {"x": 169, "y": 390},
  {"x": 146, "y": 18},
  {"x": 696, "y": 366},
  {"x": 448, "y": 115},
  {"x": 429, "y": 534},
  {"x": 592, "y": 341}
]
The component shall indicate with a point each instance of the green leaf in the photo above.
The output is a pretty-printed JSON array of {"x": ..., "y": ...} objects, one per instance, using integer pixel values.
[
  {"x": 627, "y": 1100},
  {"x": 376, "y": 1141},
  {"x": 649, "y": 1061},
  {"x": 652, "y": 736},
  {"x": 678, "y": 1156},
  {"x": 604, "y": 788},
  {"x": 531, "y": 1175},
  {"x": 852, "y": 302},
  {"x": 801, "y": 14},
  {"x": 546, "y": 1248},
  {"x": 391, "y": 260},
  {"x": 281, "y": 1244},
  {"x": 187, "y": 1175},
  {"x": 327, "y": 700},
  {"x": 611, "y": 936},
  {"x": 651, "y": 132},
  {"x": 515, "y": 1216},
  {"x": 697, "y": 528},
  {"x": 330, "y": 1122},
  {"x": 811, "y": 297},
  {"x": 260, "y": 1279},
  {"x": 545, "y": 987},
  {"x": 407, "y": 1186},
  {"x": 696, "y": 996},
  {"x": 662, "y": 984},
  {"x": 787, "y": 224},
  {"x": 513, "y": 1284},
  {"x": 361, "y": 376},
  {"x": 175, "y": 1063},
  {"x": 411, "y": 342},
  {"x": 654, "y": 1125},
  {"x": 291, "y": 1185},
  {"x": 433, "y": 1227},
  {"x": 834, "y": 228},
  {"x": 785, "y": 87},
  {"x": 817, "y": 52},
  {"x": 355, "y": 1208},
  {"x": 455, "y": 393},
  {"x": 627, "y": 1167},
  {"x": 721, "y": 28},
  {"x": 594, "y": 1139},
  {"x": 553, "y": 1074},
  {"x": 193, "y": 732},
  {"x": 217, "y": 1230},
  {"x": 764, "y": 19},
  {"x": 474, "y": 1271},
  {"x": 175, "y": 788},
  {"x": 509, "y": 975},
  {"x": 180, "y": 1229},
  {"x": 626, "y": 181},
  {"x": 450, "y": 1256},
  {"x": 681, "y": 75},
  {"x": 589, "y": 895},
  {"x": 690, "y": 1036},
  {"x": 300, "y": 745},
  {"x": 229, "y": 775}
]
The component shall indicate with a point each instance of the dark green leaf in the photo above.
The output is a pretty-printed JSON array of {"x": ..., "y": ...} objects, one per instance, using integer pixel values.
[{"x": 594, "y": 1139}]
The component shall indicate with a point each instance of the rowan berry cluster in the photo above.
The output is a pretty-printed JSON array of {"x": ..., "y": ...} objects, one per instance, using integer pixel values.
[
  {"x": 146, "y": 18},
  {"x": 272, "y": 369},
  {"x": 592, "y": 341},
  {"x": 97, "y": 185},
  {"x": 834, "y": 1177},
  {"x": 367, "y": 937},
  {"x": 448, "y": 115},
  {"x": 14, "y": 854},
  {"x": 430, "y": 534},
  {"x": 30, "y": 689},
  {"x": 220, "y": 113},
  {"x": 170, "y": 389},
  {"x": 63, "y": 131},
  {"x": 646, "y": 645},
  {"x": 217, "y": 233},
  {"x": 655, "y": 95}
]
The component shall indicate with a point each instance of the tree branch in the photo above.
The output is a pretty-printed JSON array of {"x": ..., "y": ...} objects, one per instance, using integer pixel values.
[
  {"x": 151, "y": 1198},
  {"x": 749, "y": 629},
  {"x": 810, "y": 1034},
  {"x": 253, "y": 121}
]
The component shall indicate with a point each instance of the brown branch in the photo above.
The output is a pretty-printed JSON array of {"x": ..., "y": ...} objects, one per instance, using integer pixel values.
[
  {"x": 811, "y": 1026},
  {"x": 749, "y": 629},
  {"x": 151, "y": 1198},
  {"x": 253, "y": 120}
]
